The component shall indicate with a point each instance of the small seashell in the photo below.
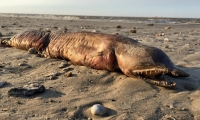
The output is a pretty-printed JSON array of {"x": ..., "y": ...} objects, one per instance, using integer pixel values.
[
  {"x": 98, "y": 109},
  {"x": 95, "y": 31},
  {"x": 166, "y": 39},
  {"x": 187, "y": 44},
  {"x": 160, "y": 34},
  {"x": 167, "y": 27}
]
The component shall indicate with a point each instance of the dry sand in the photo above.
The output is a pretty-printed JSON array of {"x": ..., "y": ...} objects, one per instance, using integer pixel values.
[{"x": 124, "y": 97}]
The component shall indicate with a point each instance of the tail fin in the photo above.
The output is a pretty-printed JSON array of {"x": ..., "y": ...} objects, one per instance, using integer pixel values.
[{"x": 3, "y": 43}]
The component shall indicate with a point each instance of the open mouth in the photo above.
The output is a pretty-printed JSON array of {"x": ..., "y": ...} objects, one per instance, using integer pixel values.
[
  {"x": 155, "y": 76},
  {"x": 160, "y": 81}
]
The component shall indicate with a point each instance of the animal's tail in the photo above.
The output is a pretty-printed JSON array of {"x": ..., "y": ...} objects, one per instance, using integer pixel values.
[{"x": 3, "y": 43}]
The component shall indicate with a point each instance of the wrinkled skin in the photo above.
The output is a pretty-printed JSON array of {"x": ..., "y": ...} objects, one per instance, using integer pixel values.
[{"x": 102, "y": 52}]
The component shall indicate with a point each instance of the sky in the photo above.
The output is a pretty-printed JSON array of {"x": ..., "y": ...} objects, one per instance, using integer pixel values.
[{"x": 127, "y": 8}]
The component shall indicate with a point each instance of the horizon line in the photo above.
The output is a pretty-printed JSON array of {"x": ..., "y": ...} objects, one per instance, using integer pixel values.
[{"x": 103, "y": 15}]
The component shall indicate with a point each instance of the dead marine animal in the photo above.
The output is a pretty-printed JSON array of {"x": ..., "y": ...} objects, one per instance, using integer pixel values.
[{"x": 102, "y": 52}]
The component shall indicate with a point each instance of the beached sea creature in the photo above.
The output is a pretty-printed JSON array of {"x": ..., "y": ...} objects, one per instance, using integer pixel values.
[{"x": 102, "y": 52}]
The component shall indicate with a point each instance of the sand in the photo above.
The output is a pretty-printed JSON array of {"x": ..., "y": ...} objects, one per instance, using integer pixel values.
[{"x": 125, "y": 98}]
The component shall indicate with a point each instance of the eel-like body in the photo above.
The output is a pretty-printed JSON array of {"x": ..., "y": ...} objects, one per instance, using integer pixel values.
[{"x": 102, "y": 52}]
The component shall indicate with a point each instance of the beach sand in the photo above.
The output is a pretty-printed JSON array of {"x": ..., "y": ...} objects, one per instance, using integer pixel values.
[{"x": 125, "y": 98}]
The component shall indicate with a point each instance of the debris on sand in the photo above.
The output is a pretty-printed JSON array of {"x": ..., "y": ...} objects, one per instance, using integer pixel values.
[{"x": 27, "y": 90}]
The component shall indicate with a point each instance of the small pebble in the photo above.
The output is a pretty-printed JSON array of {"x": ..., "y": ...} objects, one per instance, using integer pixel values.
[
  {"x": 3, "y": 26},
  {"x": 32, "y": 51},
  {"x": 65, "y": 30},
  {"x": 133, "y": 31},
  {"x": 166, "y": 39},
  {"x": 52, "y": 76},
  {"x": 55, "y": 27},
  {"x": 167, "y": 27},
  {"x": 95, "y": 31},
  {"x": 1, "y": 66},
  {"x": 62, "y": 65},
  {"x": 47, "y": 30},
  {"x": 5, "y": 109},
  {"x": 166, "y": 46},
  {"x": 2, "y": 83},
  {"x": 119, "y": 26},
  {"x": 150, "y": 24},
  {"x": 187, "y": 44},
  {"x": 98, "y": 109},
  {"x": 89, "y": 118},
  {"x": 160, "y": 34},
  {"x": 69, "y": 74},
  {"x": 21, "y": 64}
]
